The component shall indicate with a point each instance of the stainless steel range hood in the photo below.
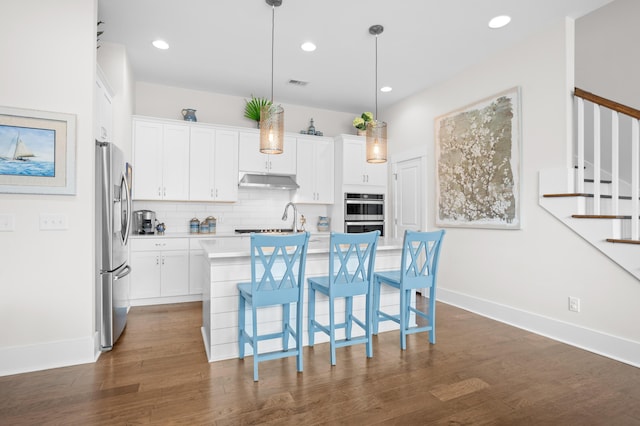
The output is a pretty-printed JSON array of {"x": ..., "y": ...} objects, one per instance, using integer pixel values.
[{"x": 268, "y": 182}]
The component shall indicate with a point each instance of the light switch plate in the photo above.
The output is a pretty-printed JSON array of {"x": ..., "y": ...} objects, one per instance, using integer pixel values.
[
  {"x": 7, "y": 222},
  {"x": 53, "y": 222}
]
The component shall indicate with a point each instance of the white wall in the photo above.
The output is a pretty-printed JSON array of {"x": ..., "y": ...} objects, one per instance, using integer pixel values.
[
  {"x": 46, "y": 277},
  {"x": 603, "y": 70},
  {"x": 156, "y": 100},
  {"x": 525, "y": 277}
]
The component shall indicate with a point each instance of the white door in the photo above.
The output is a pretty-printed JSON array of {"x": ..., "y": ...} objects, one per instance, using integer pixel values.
[{"x": 409, "y": 196}]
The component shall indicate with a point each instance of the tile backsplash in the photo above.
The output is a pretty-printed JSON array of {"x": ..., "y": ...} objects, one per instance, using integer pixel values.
[{"x": 255, "y": 208}]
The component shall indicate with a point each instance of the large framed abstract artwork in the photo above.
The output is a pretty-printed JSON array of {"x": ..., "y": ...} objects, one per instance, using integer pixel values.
[
  {"x": 37, "y": 152},
  {"x": 478, "y": 164}
]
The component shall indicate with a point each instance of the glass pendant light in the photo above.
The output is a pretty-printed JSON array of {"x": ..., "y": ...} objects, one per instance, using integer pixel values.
[
  {"x": 272, "y": 116},
  {"x": 376, "y": 130}
]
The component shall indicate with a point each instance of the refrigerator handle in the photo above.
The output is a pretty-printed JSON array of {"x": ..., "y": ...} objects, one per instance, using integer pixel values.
[
  {"x": 126, "y": 271},
  {"x": 129, "y": 215}
]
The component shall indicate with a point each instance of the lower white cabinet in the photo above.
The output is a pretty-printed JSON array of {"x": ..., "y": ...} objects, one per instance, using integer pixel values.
[
  {"x": 159, "y": 268},
  {"x": 197, "y": 267}
]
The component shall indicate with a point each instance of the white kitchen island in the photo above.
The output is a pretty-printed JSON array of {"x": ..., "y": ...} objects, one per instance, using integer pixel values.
[{"x": 229, "y": 263}]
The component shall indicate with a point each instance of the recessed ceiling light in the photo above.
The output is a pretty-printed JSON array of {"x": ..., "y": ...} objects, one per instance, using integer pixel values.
[
  {"x": 499, "y": 21},
  {"x": 386, "y": 89},
  {"x": 161, "y": 44},
  {"x": 308, "y": 46}
]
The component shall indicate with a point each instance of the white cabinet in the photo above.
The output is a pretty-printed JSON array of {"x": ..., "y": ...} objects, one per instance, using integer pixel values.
[
  {"x": 103, "y": 111},
  {"x": 253, "y": 161},
  {"x": 315, "y": 170},
  {"x": 213, "y": 170},
  {"x": 161, "y": 160},
  {"x": 159, "y": 267},
  {"x": 197, "y": 267},
  {"x": 355, "y": 169}
]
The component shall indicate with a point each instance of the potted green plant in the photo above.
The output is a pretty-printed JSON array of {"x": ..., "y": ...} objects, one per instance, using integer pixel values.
[
  {"x": 360, "y": 123},
  {"x": 253, "y": 106}
]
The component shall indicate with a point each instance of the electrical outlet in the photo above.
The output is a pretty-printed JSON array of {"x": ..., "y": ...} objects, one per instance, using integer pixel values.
[
  {"x": 53, "y": 222},
  {"x": 574, "y": 304},
  {"x": 7, "y": 222}
]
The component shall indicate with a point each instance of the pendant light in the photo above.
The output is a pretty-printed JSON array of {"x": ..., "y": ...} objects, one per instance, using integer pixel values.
[
  {"x": 376, "y": 130},
  {"x": 272, "y": 116}
]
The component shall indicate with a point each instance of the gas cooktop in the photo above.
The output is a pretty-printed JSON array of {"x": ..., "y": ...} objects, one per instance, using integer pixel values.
[{"x": 265, "y": 231}]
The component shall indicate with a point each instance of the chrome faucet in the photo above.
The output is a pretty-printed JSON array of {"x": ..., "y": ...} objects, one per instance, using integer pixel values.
[{"x": 295, "y": 215}]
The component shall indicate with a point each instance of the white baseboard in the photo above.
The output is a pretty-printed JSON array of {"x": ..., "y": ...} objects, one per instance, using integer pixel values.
[
  {"x": 43, "y": 356},
  {"x": 620, "y": 349}
]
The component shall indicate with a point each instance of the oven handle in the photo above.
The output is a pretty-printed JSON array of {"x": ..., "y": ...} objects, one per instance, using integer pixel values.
[
  {"x": 381, "y": 202},
  {"x": 377, "y": 222}
]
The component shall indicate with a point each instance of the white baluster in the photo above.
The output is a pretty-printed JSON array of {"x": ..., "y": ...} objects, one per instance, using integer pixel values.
[
  {"x": 615, "y": 163},
  {"x": 596, "y": 159},
  {"x": 580, "y": 147},
  {"x": 635, "y": 179}
]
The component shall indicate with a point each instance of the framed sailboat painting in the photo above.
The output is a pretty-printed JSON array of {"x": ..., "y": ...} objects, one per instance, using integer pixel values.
[{"x": 37, "y": 152}]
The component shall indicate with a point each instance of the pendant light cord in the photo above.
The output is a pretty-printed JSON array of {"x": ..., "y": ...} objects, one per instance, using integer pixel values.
[
  {"x": 273, "y": 20},
  {"x": 376, "y": 88}
]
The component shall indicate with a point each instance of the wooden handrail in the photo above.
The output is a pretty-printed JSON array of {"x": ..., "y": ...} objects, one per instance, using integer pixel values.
[{"x": 613, "y": 105}]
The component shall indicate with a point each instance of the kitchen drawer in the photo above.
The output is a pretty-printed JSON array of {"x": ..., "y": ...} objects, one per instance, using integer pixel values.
[{"x": 154, "y": 244}]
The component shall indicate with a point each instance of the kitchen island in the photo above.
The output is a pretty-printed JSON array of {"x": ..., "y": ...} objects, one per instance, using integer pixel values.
[{"x": 229, "y": 262}]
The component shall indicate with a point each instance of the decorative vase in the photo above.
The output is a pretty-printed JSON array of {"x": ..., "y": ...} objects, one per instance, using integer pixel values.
[{"x": 361, "y": 132}]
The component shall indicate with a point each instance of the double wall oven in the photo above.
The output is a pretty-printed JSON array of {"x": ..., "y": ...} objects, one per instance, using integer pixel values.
[{"x": 363, "y": 212}]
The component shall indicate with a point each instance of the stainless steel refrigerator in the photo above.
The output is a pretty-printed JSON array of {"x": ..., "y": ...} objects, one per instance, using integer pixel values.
[{"x": 113, "y": 224}]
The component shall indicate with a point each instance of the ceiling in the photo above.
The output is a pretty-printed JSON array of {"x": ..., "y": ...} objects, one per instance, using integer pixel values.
[{"x": 224, "y": 46}]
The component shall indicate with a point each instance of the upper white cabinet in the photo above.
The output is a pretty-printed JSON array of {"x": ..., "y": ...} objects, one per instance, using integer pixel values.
[
  {"x": 213, "y": 170},
  {"x": 161, "y": 160},
  {"x": 315, "y": 170},
  {"x": 253, "y": 161},
  {"x": 103, "y": 111},
  {"x": 355, "y": 169}
]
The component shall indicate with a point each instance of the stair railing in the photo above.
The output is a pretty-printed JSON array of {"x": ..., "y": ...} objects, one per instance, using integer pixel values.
[{"x": 600, "y": 107}]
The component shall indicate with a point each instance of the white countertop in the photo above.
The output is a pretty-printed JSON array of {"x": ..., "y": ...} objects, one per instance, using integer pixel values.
[{"x": 241, "y": 247}]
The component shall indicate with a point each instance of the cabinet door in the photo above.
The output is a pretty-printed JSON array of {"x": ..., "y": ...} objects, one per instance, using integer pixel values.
[
  {"x": 324, "y": 172},
  {"x": 147, "y": 160},
  {"x": 201, "y": 157},
  {"x": 175, "y": 273},
  {"x": 197, "y": 271},
  {"x": 376, "y": 174},
  {"x": 225, "y": 166},
  {"x": 306, "y": 176},
  {"x": 145, "y": 274},
  {"x": 250, "y": 157},
  {"x": 353, "y": 160},
  {"x": 104, "y": 113},
  {"x": 285, "y": 163},
  {"x": 175, "y": 164}
]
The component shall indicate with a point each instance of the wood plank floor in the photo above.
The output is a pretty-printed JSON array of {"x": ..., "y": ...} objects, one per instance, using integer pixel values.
[{"x": 479, "y": 372}]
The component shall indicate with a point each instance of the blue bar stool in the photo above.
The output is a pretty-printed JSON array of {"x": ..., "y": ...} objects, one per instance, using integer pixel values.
[
  {"x": 277, "y": 278},
  {"x": 351, "y": 262},
  {"x": 419, "y": 269}
]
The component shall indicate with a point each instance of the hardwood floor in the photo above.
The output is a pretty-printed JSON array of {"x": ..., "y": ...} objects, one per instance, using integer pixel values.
[{"x": 479, "y": 372}]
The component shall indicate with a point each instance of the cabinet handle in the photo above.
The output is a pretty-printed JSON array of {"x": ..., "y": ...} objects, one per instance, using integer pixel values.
[
  {"x": 164, "y": 191},
  {"x": 269, "y": 165},
  {"x": 159, "y": 192},
  {"x": 216, "y": 193},
  {"x": 266, "y": 165},
  {"x": 163, "y": 260},
  {"x": 157, "y": 260},
  {"x": 211, "y": 192}
]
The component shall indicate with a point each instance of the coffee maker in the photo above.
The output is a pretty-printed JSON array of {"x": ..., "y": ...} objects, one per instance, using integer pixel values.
[{"x": 144, "y": 221}]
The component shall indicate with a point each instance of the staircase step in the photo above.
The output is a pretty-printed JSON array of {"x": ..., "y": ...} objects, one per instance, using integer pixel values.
[
  {"x": 587, "y": 195},
  {"x": 615, "y": 240},
  {"x": 600, "y": 216}
]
